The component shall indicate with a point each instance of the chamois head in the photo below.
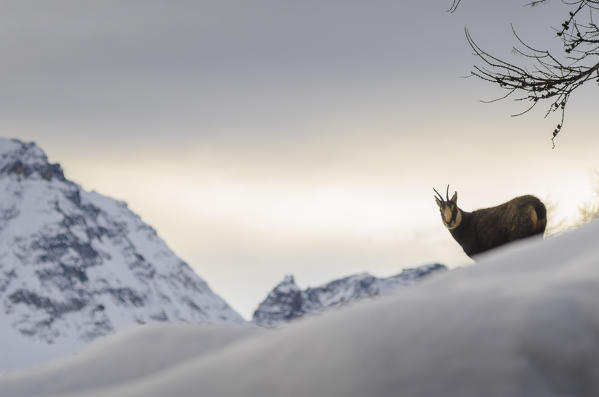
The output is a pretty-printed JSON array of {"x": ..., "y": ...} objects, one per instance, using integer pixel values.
[{"x": 450, "y": 213}]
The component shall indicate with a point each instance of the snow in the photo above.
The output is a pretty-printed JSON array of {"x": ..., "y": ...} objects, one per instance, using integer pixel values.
[
  {"x": 156, "y": 347},
  {"x": 523, "y": 321}
]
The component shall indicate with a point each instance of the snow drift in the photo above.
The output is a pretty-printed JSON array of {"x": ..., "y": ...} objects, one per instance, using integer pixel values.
[
  {"x": 524, "y": 321},
  {"x": 155, "y": 346}
]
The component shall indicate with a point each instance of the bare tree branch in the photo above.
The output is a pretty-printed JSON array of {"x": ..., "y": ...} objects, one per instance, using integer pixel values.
[{"x": 550, "y": 78}]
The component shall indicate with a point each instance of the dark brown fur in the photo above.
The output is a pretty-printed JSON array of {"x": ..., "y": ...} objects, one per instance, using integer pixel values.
[{"x": 488, "y": 228}]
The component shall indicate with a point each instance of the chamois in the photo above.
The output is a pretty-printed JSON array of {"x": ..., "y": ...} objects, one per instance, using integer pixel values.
[{"x": 487, "y": 228}]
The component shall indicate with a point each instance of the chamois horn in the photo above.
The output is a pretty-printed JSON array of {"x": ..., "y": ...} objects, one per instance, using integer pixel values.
[
  {"x": 438, "y": 194},
  {"x": 447, "y": 193}
]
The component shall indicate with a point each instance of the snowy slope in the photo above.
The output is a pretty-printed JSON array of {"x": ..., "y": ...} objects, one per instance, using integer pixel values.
[
  {"x": 156, "y": 347},
  {"x": 75, "y": 265},
  {"x": 287, "y": 302},
  {"x": 523, "y": 322}
]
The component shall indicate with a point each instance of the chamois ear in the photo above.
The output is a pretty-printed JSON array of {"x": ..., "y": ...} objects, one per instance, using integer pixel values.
[
  {"x": 438, "y": 201},
  {"x": 454, "y": 198}
]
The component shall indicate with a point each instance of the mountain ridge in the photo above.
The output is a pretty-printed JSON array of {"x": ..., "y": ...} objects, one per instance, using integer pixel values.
[{"x": 288, "y": 302}]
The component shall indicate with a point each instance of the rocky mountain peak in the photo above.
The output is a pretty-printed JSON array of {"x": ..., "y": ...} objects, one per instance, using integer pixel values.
[
  {"x": 26, "y": 160},
  {"x": 287, "y": 301}
]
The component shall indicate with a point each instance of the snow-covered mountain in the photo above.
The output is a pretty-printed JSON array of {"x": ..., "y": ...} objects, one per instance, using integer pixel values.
[
  {"x": 75, "y": 265},
  {"x": 288, "y": 302}
]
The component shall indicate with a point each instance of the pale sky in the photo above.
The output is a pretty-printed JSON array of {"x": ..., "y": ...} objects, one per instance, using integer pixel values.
[{"x": 263, "y": 138}]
